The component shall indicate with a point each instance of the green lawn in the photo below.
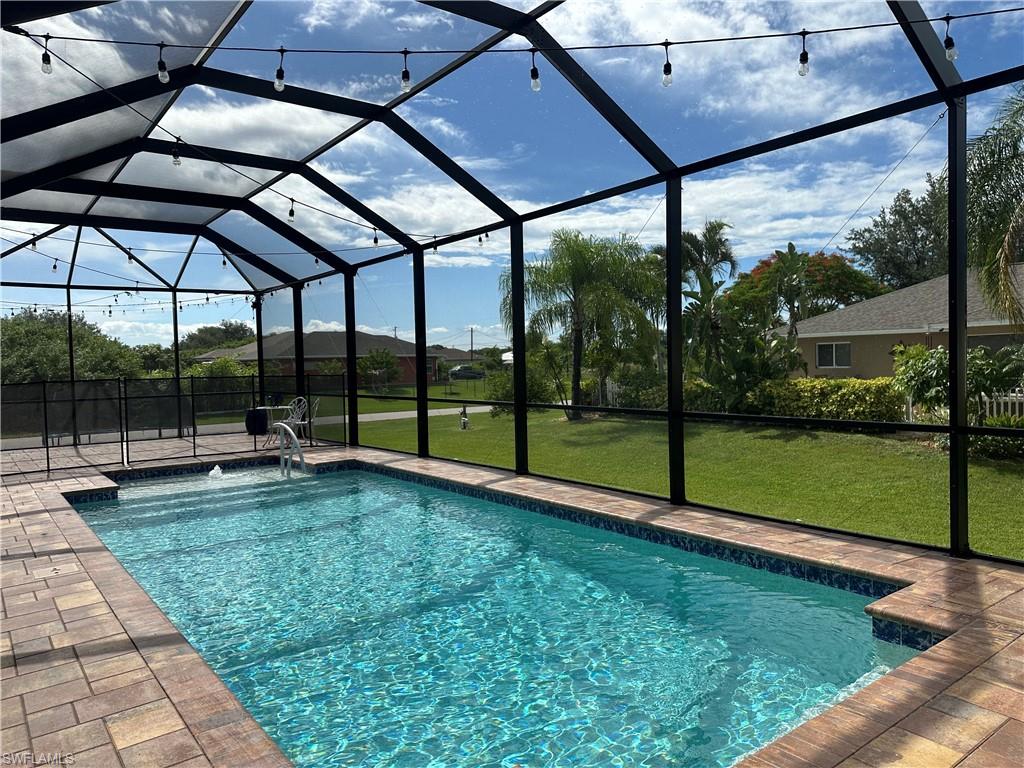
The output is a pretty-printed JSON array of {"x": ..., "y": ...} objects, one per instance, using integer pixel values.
[{"x": 886, "y": 486}]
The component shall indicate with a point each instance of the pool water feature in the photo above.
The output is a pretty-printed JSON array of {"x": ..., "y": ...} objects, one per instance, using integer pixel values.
[{"x": 369, "y": 621}]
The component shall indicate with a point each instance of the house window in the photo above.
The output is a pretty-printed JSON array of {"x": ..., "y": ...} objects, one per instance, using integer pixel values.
[{"x": 834, "y": 355}]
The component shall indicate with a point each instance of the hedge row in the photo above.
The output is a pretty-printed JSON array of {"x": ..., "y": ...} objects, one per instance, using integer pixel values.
[{"x": 851, "y": 399}]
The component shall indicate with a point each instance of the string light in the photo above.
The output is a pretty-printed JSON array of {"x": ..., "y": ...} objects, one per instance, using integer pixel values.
[
  {"x": 224, "y": 262},
  {"x": 54, "y": 267},
  {"x": 279, "y": 75},
  {"x": 161, "y": 67},
  {"x": 376, "y": 242},
  {"x": 316, "y": 260},
  {"x": 666, "y": 71},
  {"x": 480, "y": 240},
  {"x": 804, "y": 57},
  {"x": 175, "y": 155},
  {"x": 406, "y": 77},
  {"x": 950, "y": 46},
  {"x": 47, "y": 66},
  {"x": 534, "y": 72},
  {"x": 32, "y": 245},
  {"x": 291, "y": 211}
]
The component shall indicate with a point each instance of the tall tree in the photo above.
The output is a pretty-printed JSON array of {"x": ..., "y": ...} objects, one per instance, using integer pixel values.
[
  {"x": 905, "y": 244},
  {"x": 229, "y": 333},
  {"x": 705, "y": 252},
  {"x": 587, "y": 289},
  {"x": 34, "y": 347},
  {"x": 828, "y": 282}
]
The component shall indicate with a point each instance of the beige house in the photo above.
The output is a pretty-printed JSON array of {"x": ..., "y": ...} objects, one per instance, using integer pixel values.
[{"x": 857, "y": 341}]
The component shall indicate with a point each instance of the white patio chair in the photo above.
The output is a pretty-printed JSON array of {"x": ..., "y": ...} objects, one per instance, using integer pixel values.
[
  {"x": 305, "y": 426},
  {"x": 295, "y": 416}
]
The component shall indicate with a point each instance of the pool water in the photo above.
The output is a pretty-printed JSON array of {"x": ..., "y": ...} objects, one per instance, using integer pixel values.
[{"x": 368, "y": 621}]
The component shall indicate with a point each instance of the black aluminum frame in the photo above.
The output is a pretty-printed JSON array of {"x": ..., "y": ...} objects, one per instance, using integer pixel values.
[{"x": 950, "y": 89}]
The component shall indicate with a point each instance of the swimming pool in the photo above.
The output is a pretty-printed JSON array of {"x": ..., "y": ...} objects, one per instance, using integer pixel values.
[{"x": 370, "y": 621}]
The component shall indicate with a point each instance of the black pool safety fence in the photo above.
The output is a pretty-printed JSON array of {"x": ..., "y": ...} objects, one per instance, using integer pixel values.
[{"x": 115, "y": 415}]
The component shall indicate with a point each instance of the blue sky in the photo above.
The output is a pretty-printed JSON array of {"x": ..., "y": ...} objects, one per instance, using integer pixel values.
[{"x": 532, "y": 149}]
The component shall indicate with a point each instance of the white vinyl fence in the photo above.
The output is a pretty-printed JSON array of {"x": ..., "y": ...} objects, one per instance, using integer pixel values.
[{"x": 1009, "y": 403}]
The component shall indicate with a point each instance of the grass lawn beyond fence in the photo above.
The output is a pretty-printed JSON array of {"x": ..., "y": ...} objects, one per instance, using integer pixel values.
[{"x": 882, "y": 485}]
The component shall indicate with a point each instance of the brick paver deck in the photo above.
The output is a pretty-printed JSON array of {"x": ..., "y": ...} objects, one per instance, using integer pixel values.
[{"x": 92, "y": 667}]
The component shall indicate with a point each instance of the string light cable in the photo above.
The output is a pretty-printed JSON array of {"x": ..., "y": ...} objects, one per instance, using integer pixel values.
[
  {"x": 405, "y": 53},
  {"x": 803, "y": 34},
  {"x": 885, "y": 179}
]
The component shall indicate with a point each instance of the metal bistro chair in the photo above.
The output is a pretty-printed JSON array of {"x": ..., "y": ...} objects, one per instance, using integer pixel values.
[
  {"x": 296, "y": 413},
  {"x": 305, "y": 426}
]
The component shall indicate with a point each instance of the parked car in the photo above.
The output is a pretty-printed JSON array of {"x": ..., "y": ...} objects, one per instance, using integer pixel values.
[{"x": 465, "y": 372}]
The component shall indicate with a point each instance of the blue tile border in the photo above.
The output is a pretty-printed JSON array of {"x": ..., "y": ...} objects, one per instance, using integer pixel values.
[
  {"x": 890, "y": 631},
  {"x": 884, "y": 629}
]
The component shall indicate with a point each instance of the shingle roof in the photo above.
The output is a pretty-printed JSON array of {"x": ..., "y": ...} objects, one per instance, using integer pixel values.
[
  {"x": 922, "y": 306},
  {"x": 318, "y": 344}
]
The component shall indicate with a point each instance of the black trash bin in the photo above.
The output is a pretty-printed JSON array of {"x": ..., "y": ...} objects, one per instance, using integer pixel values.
[{"x": 255, "y": 422}]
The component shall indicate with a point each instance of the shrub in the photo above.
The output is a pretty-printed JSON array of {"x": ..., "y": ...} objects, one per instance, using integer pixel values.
[
  {"x": 642, "y": 388},
  {"x": 538, "y": 389},
  {"x": 849, "y": 399},
  {"x": 991, "y": 447},
  {"x": 698, "y": 395}
]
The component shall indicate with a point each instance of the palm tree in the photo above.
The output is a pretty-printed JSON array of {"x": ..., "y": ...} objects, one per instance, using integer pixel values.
[
  {"x": 597, "y": 292},
  {"x": 790, "y": 271},
  {"x": 563, "y": 290},
  {"x": 707, "y": 252},
  {"x": 995, "y": 210}
]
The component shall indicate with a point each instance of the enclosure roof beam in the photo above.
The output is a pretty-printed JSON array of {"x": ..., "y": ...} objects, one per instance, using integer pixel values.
[
  {"x": 233, "y": 157},
  {"x": 24, "y": 11},
  {"x": 93, "y": 103},
  {"x": 145, "y": 225},
  {"x": 186, "y": 260},
  {"x": 327, "y": 102},
  {"x": 926, "y": 44},
  {"x": 32, "y": 240},
  {"x": 202, "y": 199},
  {"x": 61, "y": 170},
  {"x": 70, "y": 167},
  {"x": 502, "y": 17},
  {"x": 225, "y": 243},
  {"x": 131, "y": 256}
]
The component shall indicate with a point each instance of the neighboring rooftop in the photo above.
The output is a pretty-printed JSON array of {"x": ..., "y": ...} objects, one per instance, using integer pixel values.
[
  {"x": 317, "y": 344},
  {"x": 921, "y": 307}
]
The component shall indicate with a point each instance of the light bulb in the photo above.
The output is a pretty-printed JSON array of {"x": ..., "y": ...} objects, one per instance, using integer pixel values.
[
  {"x": 951, "y": 52},
  {"x": 480, "y": 240},
  {"x": 161, "y": 69},
  {"x": 224, "y": 262},
  {"x": 534, "y": 79},
  {"x": 279, "y": 80},
  {"x": 805, "y": 66},
  {"x": 666, "y": 77},
  {"x": 406, "y": 77},
  {"x": 376, "y": 242},
  {"x": 291, "y": 213},
  {"x": 54, "y": 267},
  {"x": 175, "y": 158},
  {"x": 46, "y": 67}
]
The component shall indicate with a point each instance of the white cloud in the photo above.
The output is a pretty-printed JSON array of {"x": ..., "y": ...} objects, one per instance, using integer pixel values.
[
  {"x": 344, "y": 13},
  {"x": 316, "y": 326}
]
